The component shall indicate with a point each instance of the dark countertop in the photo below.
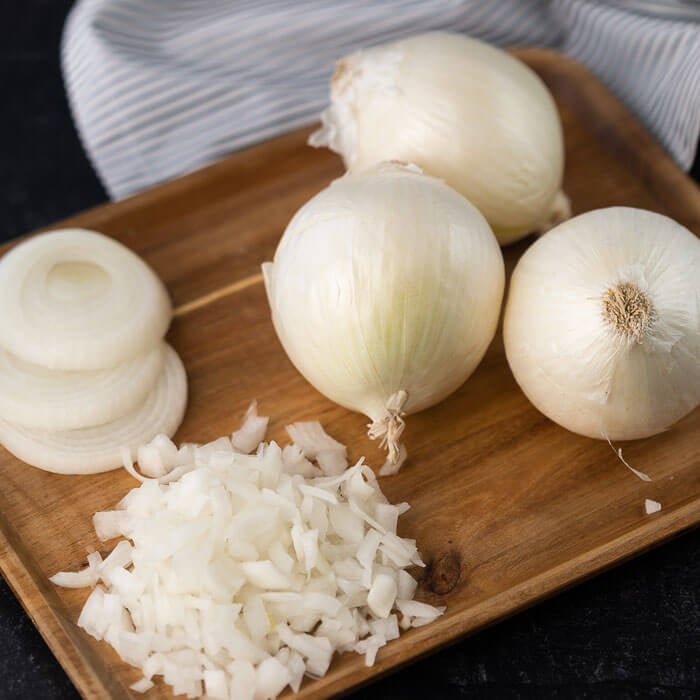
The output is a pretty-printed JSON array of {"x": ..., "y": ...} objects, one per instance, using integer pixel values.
[{"x": 631, "y": 633}]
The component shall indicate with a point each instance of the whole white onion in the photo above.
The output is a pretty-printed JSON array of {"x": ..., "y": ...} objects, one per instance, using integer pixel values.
[
  {"x": 602, "y": 324},
  {"x": 463, "y": 111},
  {"x": 385, "y": 292}
]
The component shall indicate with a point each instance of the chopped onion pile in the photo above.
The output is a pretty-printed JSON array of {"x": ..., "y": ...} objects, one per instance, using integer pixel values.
[
  {"x": 84, "y": 370},
  {"x": 246, "y": 572}
]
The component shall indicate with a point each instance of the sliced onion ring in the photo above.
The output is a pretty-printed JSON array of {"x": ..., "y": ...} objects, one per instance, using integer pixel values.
[
  {"x": 77, "y": 300},
  {"x": 35, "y": 397},
  {"x": 98, "y": 449}
]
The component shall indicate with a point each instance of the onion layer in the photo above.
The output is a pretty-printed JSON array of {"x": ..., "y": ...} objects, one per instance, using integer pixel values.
[
  {"x": 99, "y": 449},
  {"x": 77, "y": 300},
  {"x": 35, "y": 397}
]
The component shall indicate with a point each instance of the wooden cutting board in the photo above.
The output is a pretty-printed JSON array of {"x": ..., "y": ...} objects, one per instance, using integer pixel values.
[{"x": 508, "y": 508}]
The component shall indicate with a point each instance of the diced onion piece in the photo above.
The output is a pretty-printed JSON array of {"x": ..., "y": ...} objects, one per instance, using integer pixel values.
[
  {"x": 118, "y": 558},
  {"x": 312, "y": 438},
  {"x": 387, "y": 628},
  {"x": 141, "y": 686},
  {"x": 126, "y": 583},
  {"x": 401, "y": 551},
  {"x": 215, "y": 684},
  {"x": 651, "y": 506},
  {"x": 98, "y": 449},
  {"x": 243, "y": 680},
  {"x": 371, "y": 655},
  {"x": 369, "y": 647},
  {"x": 406, "y": 585},
  {"x": 35, "y": 397},
  {"x": 219, "y": 447},
  {"x": 158, "y": 457},
  {"x": 247, "y": 438},
  {"x": 323, "y": 603},
  {"x": 387, "y": 516},
  {"x": 271, "y": 677},
  {"x": 414, "y": 608},
  {"x": 347, "y": 524},
  {"x": 359, "y": 490},
  {"x": 296, "y": 668},
  {"x": 294, "y": 462},
  {"x": 265, "y": 575},
  {"x": 79, "y": 579},
  {"x": 77, "y": 300},
  {"x": 317, "y": 650},
  {"x": 92, "y": 618},
  {"x": 332, "y": 462},
  {"x": 309, "y": 542},
  {"x": 94, "y": 559},
  {"x": 382, "y": 595},
  {"x": 367, "y": 551},
  {"x": 317, "y": 444},
  {"x": 110, "y": 524},
  {"x": 256, "y": 619},
  {"x": 281, "y": 558},
  {"x": 319, "y": 493}
]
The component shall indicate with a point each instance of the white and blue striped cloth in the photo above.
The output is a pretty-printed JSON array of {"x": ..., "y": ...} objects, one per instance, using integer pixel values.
[{"x": 161, "y": 87}]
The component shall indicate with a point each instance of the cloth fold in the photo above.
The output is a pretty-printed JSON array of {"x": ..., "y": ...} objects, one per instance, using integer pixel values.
[{"x": 161, "y": 87}]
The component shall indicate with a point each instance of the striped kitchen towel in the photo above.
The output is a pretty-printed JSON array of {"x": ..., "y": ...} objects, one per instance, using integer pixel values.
[{"x": 161, "y": 87}]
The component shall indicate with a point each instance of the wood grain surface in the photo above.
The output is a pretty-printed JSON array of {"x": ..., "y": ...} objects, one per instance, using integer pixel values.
[{"x": 508, "y": 508}]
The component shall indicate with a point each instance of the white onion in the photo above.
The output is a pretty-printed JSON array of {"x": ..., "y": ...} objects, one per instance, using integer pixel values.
[
  {"x": 98, "y": 449},
  {"x": 385, "y": 292},
  {"x": 602, "y": 325},
  {"x": 77, "y": 300},
  {"x": 35, "y": 397},
  {"x": 241, "y": 579},
  {"x": 463, "y": 111}
]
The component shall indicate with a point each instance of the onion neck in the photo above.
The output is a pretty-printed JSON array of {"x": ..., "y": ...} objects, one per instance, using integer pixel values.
[
  {"x": 628, "y": 310},
  {"x": 390, "y": 426}
]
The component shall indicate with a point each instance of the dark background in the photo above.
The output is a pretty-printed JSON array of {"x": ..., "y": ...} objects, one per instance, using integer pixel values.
[{"x": 630, "y": 633}]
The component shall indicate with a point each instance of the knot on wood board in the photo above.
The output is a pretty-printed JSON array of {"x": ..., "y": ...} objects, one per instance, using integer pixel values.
[{"x": 443, "y": 573}]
